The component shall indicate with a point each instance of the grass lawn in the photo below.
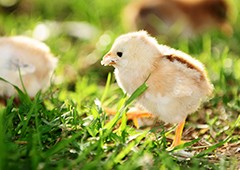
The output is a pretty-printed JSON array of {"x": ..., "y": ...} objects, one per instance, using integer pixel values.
[{"x": 66, "y": 127}]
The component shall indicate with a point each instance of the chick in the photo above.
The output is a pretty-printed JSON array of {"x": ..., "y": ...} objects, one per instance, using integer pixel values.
[
  {"x": 29, "y": 58},
  {"x": 177, "y": 83},
  {"x": 183, "y": 16}
]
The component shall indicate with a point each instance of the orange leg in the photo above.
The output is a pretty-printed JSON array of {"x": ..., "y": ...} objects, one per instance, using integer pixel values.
[
  {"x": 178, "y": 135},
  {"x": 133, "y": 115}
]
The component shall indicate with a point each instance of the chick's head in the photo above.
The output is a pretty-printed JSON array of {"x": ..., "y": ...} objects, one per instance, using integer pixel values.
[{"x": 132, "y": 49}]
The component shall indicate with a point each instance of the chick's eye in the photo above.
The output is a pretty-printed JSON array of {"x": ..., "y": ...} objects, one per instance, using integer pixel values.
[{"x": 119, "y": 54}]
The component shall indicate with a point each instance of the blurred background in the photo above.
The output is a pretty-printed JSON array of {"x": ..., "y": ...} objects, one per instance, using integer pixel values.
[{"x": 79, "y": 32}]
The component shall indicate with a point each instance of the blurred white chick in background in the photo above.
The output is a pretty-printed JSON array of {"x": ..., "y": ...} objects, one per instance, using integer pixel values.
[{"x": 28, "y": 57}]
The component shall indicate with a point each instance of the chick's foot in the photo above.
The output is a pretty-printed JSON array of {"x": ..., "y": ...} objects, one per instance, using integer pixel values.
[{"x": 134, "y": 116}]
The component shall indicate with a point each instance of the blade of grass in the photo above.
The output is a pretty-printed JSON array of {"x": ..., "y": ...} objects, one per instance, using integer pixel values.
[
  {"x": 33, "y": 109},
  {"x": 212, "y": 148},
  {"x": 207, "y": 43},
  {"x": 38, "y": 134},
  {"x": 22, "y": 96},
  {"x": 217, "y": 145},
  {"x": 123, "y": 124},
  {"x": 222, "y": 70},
  {"x": 35, "y": 154},
  {"x": 83, "y": 155},
  {"x": 21, "y": 80},
  {"x": 123, "y": 109},
  {"x": 106, "y": 87},
  {"x": 136, "y": 94},
  {"x": 187, "y": 144},
  {"x": 61, "y": 145},
  {"x": 129, "y": 147},
  {"x": 2, "y": 140}
]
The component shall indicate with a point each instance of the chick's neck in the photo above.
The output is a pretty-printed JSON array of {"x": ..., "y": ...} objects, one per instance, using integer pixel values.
[{"x": 131, "y": 77}]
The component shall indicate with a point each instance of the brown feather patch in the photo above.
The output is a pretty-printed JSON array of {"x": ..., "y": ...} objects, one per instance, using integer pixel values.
[{"x": 173, "y": 58}]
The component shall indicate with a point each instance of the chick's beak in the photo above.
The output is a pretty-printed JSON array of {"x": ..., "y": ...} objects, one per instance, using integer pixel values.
[{"x": 109, "y": 59}]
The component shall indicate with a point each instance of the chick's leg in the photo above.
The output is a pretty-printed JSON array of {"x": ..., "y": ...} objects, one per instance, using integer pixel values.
[
  {"x": 136, "y": 115},
  {"x": 178, "y": 135},
  {"x": 132, "y": 115}
]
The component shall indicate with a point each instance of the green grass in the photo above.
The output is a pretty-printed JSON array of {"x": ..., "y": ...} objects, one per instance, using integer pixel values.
[{"x": 66, "y": 127}]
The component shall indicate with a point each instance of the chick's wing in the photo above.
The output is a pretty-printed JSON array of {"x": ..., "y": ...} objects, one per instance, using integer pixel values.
[{"x": 176, "y": 74}]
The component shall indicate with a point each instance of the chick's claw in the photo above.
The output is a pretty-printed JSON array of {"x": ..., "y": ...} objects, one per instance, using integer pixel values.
[
  {"x": 134, "y": 116},
  {"x": 178, "y": 135}
]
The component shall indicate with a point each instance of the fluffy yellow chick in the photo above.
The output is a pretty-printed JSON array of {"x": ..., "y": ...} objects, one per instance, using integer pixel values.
[
  {"x": 32, "y": 58},
  {"x": 177, "y": 83}
]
